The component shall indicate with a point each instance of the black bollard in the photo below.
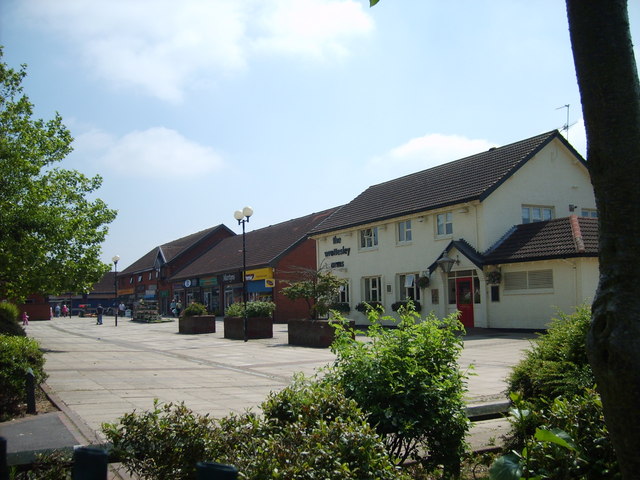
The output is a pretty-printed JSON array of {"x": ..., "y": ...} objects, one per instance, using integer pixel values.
[
  {"x": 89, "y": 463},
  {"x": 30, "y": 382},
  {"x": 4, "y": 468},
  {"x": 215, "y": 471}
]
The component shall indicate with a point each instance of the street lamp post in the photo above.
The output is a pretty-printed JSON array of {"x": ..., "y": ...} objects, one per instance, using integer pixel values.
[
  {"x": 243, "y": 217},
  {"x": 115, "y": 282}
]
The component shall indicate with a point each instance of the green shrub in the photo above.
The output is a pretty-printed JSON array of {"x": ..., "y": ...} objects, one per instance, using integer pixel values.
[
  {"x": 9, "y": 325},
  {"x": 254, "y": 309},
  {"x": 408, "y": 382},
  {"x": 570, "y": 441},
  {"x": 416, "y": 305},
  {"x": 194, "y": 309},
  {"x": 309, "y": 430},
  {"x": 17, "y": 355},
  {"x": 557, "y": 364},
  {"x": 165, "y": 442}
]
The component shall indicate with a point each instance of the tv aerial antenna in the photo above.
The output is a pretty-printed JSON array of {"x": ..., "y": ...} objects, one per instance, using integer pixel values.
[{"x": 565, "y": 128}]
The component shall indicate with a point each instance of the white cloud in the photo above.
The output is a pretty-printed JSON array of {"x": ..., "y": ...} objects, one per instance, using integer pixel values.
[
  {"x": 425, "y": 152},
  {"x": 311, "y": 28},
  {"x": 156, "y": 152},
  {"x": 162, "y": 46}
]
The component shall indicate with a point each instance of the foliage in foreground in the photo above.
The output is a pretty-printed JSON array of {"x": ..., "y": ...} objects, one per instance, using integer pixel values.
[
  {"x": 558, "y": 428},
  {"x": 9, "y": 325},
  {"x": 309, "y": 430},
  {"x": 557, "y": 363},
  {"x": 408, "y": 382},
  {"x": 17, "y": 355}
]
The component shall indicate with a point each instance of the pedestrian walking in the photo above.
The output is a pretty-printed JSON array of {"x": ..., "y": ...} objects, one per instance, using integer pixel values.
[
  {"x": 178, "y": 308},
  {"x": 122, "y": 308},
  {"x": 172, "y": 307},
  {"x": 25, "y": 318},
  {"x": 57, "y": 310},
  {"x": 65, "y": 310},
  {"x": 99, "y": 312}
]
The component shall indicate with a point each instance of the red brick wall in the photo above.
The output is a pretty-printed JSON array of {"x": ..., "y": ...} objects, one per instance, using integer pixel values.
[{"x": 304, "y": 255}]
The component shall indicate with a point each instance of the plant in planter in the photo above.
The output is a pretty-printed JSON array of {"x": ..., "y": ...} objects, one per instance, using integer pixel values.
[
  {"x": 364, "y": 307},
  {"x": 194, "y": 319},
  {"x": 397, "y": 305},
  {"x": 342, "y": 307},
  {"x": 259, "y": 320},
  {"x": 318, "y": 289}
]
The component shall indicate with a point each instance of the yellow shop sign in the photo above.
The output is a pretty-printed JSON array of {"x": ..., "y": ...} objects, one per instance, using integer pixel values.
[{"x": 259, "y": 274}]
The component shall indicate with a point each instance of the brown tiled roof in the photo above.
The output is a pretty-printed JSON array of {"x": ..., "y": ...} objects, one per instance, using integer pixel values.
[
  {"x": 106, "y": 284},
  {"x": 263, "y": 247},
  {"x": 470, "y": 178},
  {"x": 559, "y": 238},
  {"x": 170, "y": 250}
]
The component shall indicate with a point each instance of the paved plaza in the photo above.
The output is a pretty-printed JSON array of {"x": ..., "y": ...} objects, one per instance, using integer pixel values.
[{"x": 98, "y": 373}]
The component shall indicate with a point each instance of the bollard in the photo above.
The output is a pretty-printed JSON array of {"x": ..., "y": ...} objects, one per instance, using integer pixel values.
[
  {"x": 215, "y": 471},
  {"x": 89, "y": 463},
  {"x": 30, "y": 382},
  {"x": 4, "y": 468}
]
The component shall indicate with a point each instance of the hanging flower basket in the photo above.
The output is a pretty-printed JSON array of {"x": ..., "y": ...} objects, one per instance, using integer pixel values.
[
  {"x": 423, "y": 281},
  {"x": 495, "y": 276}
]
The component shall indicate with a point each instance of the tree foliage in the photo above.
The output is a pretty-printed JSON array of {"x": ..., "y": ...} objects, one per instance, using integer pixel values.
[
  {"x": 316, "y": 287},
  {"x": 50, "y": 232}
]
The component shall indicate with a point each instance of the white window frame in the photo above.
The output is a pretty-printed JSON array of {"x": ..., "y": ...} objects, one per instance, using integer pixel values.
[
  {"x": 408, "y": 282},
  {"x": 368, "y": 238},
  {"x": 343, "y": 294},
  {"x": 537, "y": 213},
  {"x": 589, "y": 212},
  {"x": 405, "y": 233},
  {"x": 444, "y": 224},
  {"x": 372, "y": 287}
]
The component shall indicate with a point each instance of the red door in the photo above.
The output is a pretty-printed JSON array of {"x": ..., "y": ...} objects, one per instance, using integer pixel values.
[{"x": 464, "y": 300}]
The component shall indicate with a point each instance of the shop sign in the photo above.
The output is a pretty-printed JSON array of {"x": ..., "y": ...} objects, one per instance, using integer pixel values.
[
  {"x": 270, "y": 283},
  {"x": 259, "y": 274},
  {"x": 125, "y": 291},
  {"x": 188, "y": 283},
  {"x": 231, "y": 277},
  {"x": 208, "y": 282},
  {"x": 337, "y": 264}
]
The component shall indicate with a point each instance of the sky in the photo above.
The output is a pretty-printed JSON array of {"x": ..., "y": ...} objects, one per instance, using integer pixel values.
[{"x": 191, "y": 110}]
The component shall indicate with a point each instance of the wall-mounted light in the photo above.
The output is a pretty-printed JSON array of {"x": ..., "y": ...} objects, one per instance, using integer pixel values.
[{"x": 572, "y": 207}]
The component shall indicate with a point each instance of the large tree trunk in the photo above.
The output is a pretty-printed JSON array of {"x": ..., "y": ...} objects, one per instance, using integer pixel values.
[{"x": 608, "y": 81}]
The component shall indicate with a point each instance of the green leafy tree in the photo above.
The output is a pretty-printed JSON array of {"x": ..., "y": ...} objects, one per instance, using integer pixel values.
[
  {"x": 316, "y": 287},
  {"x": 50, "y": 233}
]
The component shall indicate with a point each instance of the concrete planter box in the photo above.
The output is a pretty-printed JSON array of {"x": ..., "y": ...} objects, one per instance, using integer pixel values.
[
  {"x": 312, "y": 333},
  {"x": 257, "y": 327},
  {"x": 197, "y": 324}
]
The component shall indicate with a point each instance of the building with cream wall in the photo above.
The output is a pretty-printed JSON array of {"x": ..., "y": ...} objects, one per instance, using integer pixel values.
[{"x": 390, "y": 238}]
